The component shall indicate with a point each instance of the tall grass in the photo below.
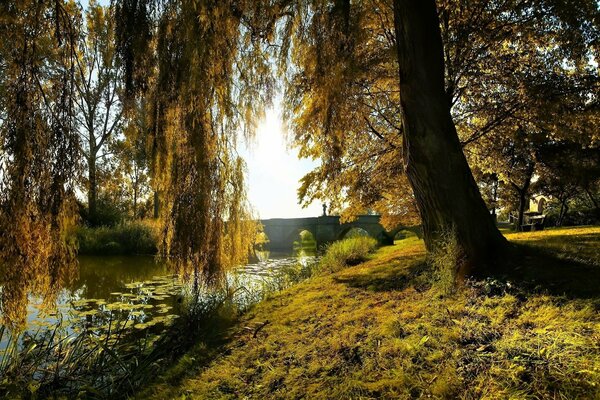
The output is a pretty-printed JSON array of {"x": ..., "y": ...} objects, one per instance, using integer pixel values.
[
  {"x": 347, "y": 252},
  {"x": 136, "y": 237}
]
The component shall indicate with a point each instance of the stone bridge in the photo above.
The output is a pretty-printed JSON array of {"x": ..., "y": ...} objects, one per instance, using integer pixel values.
[{"x": 282, "y": 232}]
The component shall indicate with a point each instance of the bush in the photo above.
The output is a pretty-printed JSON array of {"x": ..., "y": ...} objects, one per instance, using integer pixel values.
[
  {"x": 126, "y": 238},
  {"x": 108, "y": 212},
  {"x": 347, "y": 252}
]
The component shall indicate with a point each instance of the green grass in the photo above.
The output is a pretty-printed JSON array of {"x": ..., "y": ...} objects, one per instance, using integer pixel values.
[
  {"x": 134, "y": 237},
  {"x": 573, "y": 243},
  {"x": 381, "y": 329}
]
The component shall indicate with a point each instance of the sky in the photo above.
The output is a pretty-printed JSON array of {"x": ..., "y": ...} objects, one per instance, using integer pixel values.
[{"x": 274, "y": 171}]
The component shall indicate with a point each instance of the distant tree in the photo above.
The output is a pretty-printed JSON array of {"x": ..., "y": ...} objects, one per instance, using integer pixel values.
[
  {"x": 131, "y": 152},
  {"x": 513, "y": 159},
  {"x": 98, "y": 104}
]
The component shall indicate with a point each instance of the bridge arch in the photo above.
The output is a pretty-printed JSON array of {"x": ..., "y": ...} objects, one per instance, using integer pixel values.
[
  {"x": 353, "y": 231},
  {"x": 417, "y": 230},
  {"x": 345, "y": 230},
  {"x": 296, "y": 234}
]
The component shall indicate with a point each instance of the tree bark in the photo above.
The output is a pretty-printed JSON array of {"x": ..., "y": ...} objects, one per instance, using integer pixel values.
[
  {"x": 92, "y": 189},
  {"x": 563, "y": 211},
  {"x": 593, "y": 200},
  {"x": 522, "y": 191},
  {"x": 522, "y": 203},
  {"x": 135, "y": 197},
  {"x": 446, "y": 193}
]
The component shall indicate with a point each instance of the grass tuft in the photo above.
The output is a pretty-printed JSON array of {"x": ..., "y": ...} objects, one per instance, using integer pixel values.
[{"x": 347, "y": 252}]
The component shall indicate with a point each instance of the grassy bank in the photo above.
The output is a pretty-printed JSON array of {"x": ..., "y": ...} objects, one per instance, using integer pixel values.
[{"x": 382, "y": 329}]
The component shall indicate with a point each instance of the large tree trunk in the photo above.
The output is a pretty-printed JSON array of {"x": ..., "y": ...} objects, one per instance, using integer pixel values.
[
  {"x": 92, "y": 190},
  {"x": 446, "y": 193},
  {"x": 522, "y": 192}
]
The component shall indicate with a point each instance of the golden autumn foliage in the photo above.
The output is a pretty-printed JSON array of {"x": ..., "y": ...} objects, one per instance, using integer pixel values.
[
  {"x": 39, "y": 159},
  {"x": 210, "y": 80}
]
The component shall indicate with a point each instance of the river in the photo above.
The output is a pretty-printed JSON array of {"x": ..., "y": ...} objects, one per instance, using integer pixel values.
[{"x": 138, "y": 290}]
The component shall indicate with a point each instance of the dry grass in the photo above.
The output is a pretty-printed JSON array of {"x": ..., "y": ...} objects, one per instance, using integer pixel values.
[{"x": 381, "y": 330}]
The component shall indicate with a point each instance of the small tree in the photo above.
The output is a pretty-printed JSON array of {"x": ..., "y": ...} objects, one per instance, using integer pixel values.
[{"x": 568, "y": 170}]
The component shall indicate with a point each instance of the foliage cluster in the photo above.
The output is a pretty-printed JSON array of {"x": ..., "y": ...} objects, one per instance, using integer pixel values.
[
  {"x": 205, "y": 75},
  {"x": 382, "y": 330},
  {"x": 134, "y": 237}
]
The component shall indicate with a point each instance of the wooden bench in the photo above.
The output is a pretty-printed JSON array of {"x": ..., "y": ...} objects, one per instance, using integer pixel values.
[{"x": 535, "y": 223}]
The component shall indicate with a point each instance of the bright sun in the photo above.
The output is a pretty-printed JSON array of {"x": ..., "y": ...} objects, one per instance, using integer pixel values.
[{"x": 274, "y": 171}]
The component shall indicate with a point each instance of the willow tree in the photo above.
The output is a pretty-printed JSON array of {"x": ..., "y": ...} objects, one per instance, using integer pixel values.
[
  {"x": 38, "y": 151},
  {"x": 204, "y": 68}
]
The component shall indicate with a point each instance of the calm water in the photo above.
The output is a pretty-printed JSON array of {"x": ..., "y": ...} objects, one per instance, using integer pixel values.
[{"x": 138, "y": 290}]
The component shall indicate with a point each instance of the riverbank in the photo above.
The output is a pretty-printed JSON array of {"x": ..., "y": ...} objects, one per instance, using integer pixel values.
[{"x": 381, "y": 329}]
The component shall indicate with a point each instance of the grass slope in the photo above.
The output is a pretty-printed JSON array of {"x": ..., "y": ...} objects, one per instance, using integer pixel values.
[{"x": 382, "y": 330}]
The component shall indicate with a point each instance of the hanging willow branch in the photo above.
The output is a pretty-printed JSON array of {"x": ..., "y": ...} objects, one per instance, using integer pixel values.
[
  {"x": 38, "y": 152},
  {"x": 209, "y": 81}
]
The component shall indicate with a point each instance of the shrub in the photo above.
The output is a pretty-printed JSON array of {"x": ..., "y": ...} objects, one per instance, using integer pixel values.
[
  {"x": 109, "y": 212},
  {"x": 347, "y": 252},
  {"x": 135, "y": 237}
]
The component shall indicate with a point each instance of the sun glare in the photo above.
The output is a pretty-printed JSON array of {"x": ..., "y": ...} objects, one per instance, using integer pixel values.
[{"x": 274, "y": 171}]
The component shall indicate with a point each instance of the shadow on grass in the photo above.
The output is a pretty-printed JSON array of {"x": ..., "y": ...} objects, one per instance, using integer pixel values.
[
  {"x": 549, "y": 271},
  {"x": 392, "y": 277},
  {"x": 530, "y": 268},
  {"x": 191, "y": 348}
]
